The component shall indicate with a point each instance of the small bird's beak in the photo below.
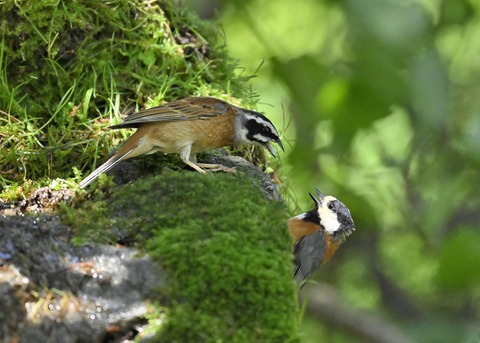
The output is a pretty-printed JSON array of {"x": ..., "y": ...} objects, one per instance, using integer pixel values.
[
  {"x": 319, "y": 194},
  {"x": 272, "y": 149},
  {"x": 318, "y": 201}
]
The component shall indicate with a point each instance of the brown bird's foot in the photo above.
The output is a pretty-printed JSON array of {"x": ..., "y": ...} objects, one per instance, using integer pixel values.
[
  {"x": 217, "y": 168},
  {"x": 195, "y": 166}
]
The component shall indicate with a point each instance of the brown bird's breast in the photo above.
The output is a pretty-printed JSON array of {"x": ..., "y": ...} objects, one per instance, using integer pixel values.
[{"x": 203, "y": 134}]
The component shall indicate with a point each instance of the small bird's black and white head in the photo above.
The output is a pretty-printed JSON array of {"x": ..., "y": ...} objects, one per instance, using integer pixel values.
[
  {"x": 332, "y": 215},
  {"x": 254, "y": 128}
]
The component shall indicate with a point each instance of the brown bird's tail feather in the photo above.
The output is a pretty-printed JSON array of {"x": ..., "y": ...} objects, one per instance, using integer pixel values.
[{"x": 111, "y": 162}]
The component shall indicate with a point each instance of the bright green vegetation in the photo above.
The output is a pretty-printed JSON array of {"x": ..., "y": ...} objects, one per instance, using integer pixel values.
[
  {"x": 68, "y": 69},
  {"x": 224, "y": 246}
]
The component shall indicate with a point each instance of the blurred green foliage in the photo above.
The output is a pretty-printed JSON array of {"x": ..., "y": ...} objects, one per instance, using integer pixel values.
[{"x": 385, "y": 115}]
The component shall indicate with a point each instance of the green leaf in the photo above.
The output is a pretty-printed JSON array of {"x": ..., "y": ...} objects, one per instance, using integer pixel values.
[
  {"x": 459, "y": 267},
  {"x": 86, "y": 102}
]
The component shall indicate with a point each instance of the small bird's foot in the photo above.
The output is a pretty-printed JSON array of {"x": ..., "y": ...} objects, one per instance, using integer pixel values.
[{"x": 217, "y": 168}]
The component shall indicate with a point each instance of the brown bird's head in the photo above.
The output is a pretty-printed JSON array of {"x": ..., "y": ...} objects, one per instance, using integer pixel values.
[{"x": 254, "y": 128}]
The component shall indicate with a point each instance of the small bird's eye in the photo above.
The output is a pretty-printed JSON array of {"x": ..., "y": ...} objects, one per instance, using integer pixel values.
[{"x": 331, "y": 206}]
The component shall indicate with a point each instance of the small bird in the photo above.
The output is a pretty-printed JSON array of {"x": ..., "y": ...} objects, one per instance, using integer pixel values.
[
  {"x": 189, "y": 126},
  {"x": 318, "y": 233}
]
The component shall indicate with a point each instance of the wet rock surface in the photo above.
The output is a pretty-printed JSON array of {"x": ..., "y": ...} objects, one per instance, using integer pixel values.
[{"x": 53, "y": 291}]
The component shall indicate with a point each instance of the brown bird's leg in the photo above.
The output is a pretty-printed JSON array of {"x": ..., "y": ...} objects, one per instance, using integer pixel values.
[
  {"x": 191, "y": 160},
  {"x": 212, "y": 167},
  {"x": 217, "y": 168}
]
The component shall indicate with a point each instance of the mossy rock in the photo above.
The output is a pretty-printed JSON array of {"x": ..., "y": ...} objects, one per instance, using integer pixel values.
[{"x": 224, "y": 246}]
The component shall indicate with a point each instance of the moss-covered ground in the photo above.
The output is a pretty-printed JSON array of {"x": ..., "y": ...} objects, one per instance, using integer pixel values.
[
  {"x": 223, "y": 245},
  {"x": 69, "y": 69}
]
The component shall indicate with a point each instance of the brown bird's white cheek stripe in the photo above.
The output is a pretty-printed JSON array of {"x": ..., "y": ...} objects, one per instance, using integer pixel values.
[
  {"x": 260, "y": 138},
  {"x": 262, "y": 122}
]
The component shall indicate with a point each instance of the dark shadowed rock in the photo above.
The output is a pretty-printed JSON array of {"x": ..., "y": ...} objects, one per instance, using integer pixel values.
[{"x": 53, "y": 291}]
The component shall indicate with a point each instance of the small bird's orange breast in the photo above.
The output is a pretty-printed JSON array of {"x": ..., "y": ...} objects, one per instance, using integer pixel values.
[{"x": 330, "y": 248}]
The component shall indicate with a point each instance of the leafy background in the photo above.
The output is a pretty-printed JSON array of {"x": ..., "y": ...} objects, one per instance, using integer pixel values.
[
  {"x": 378, "y": 100},
  {"x": 377, "y": 103}
]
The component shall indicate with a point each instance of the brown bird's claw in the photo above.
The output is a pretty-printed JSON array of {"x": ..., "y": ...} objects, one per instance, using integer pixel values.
[{"x": 217, "y": 168}]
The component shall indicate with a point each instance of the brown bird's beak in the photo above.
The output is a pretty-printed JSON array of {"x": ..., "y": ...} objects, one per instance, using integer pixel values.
[
  {"x": 279, "y": 142},
  {"x": 272, "y": 149}
]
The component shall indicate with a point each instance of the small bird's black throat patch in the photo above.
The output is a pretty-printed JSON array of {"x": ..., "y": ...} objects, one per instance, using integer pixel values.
[{"x": 312, "y": 217}]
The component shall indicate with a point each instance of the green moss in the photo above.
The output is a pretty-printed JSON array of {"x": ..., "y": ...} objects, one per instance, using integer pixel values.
[
  {"x": 68, "y": 69},
  {"x": 225, "y": 248}
]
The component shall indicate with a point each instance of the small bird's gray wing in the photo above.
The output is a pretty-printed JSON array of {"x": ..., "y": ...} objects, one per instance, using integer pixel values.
[
  {"x": 179, "y": 110},
  {"x": 309, "y": 252}
]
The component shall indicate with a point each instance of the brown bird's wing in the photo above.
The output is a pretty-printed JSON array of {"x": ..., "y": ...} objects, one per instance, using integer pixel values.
[
  {"x": 179, "y": 110},
  {"x": 309, "y": 252}
]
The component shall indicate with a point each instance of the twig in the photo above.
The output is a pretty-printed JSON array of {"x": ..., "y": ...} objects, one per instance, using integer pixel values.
[{"x": 324, "y": 304}]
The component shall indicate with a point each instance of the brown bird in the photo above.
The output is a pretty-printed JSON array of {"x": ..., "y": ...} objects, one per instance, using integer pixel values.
[
  {"x": 189, "y": 126},
  {"x": 318, "y": 233}
]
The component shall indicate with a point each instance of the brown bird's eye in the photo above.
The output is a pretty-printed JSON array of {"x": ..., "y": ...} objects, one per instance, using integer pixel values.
[{"x": 331, "y": 206}]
